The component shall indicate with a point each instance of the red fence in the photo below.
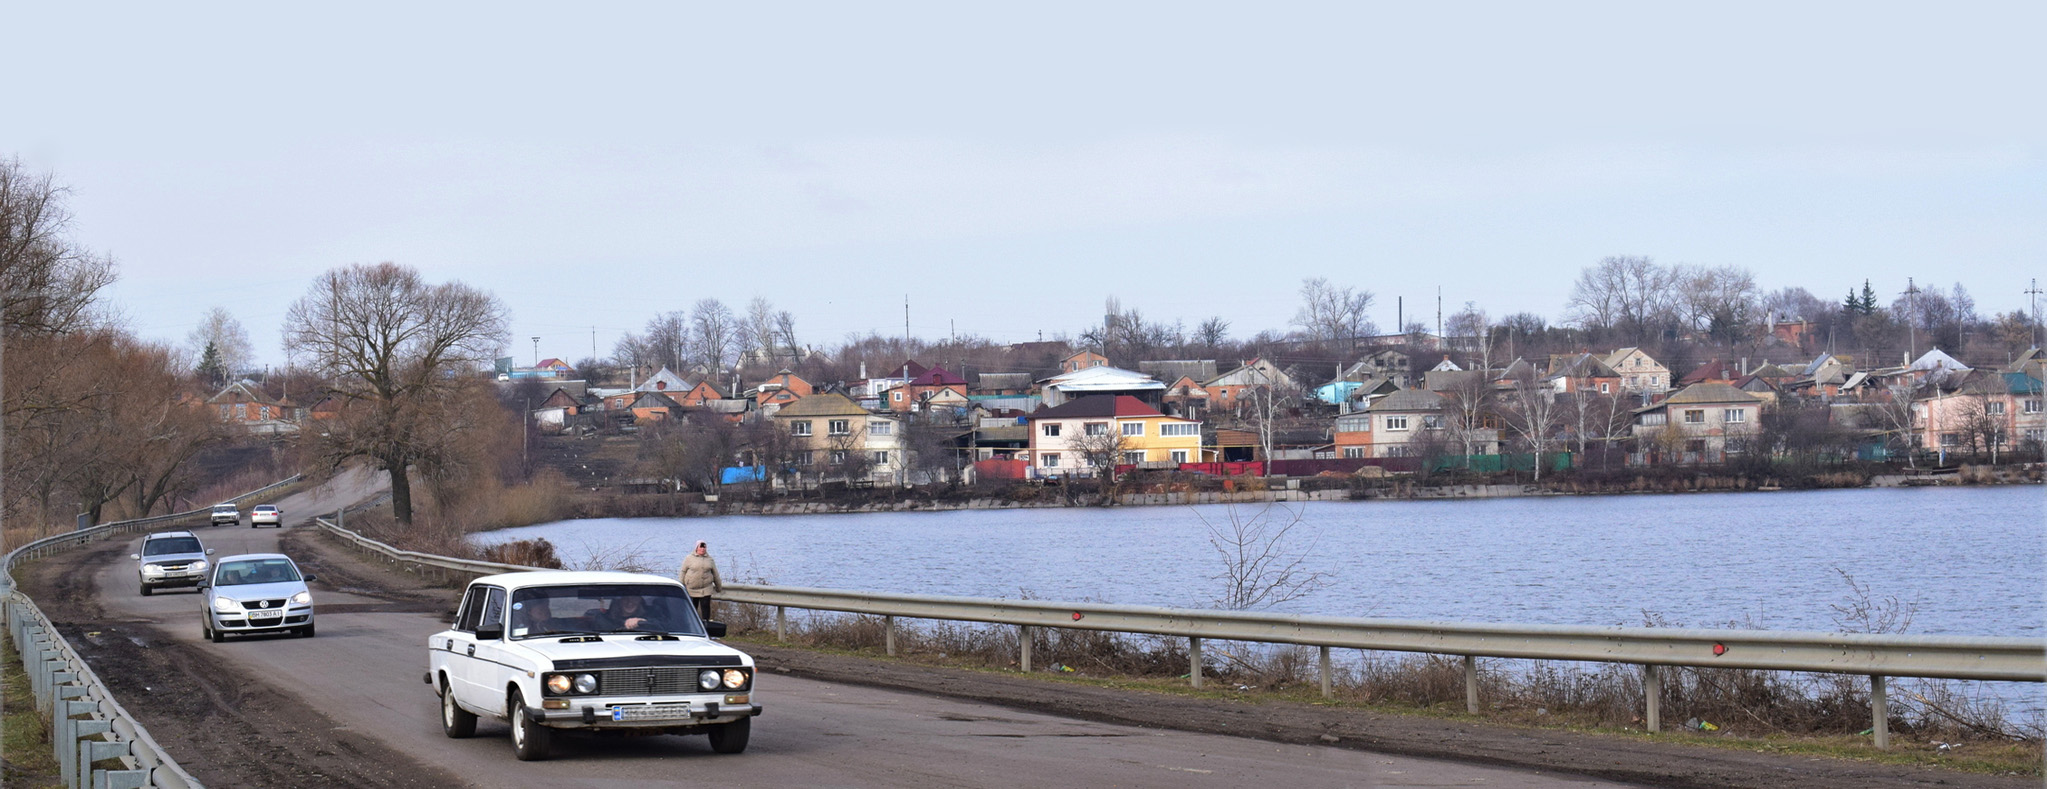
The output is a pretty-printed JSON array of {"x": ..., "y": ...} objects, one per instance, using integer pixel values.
[{"x": 1002, "y": 469}]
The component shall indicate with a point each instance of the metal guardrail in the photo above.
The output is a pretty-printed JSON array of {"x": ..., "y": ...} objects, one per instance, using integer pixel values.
[
  {"x": 66, "y": 688},
  {"x": 1873, "y": 655}
]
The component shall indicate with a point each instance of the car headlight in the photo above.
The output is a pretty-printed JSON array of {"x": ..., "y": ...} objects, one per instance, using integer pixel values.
[
  {"x": 586, "y": 683},
  {"x": 226, "y": 606},
  {"x": 152, "y": 569},
  {"x": 198, "y": 566},
  {"x": 709, "y": 679},
  {"x": 559, "y": 684},
  {"x": 735, "y": 678},
  {"x": 304, "y": 597}
]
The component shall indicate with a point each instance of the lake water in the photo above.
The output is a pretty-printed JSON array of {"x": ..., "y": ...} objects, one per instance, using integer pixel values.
[{"x": 1971, "y": 561}]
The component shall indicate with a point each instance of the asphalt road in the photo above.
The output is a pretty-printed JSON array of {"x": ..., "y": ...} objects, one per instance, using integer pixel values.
[{"x": 363, "y": 671}]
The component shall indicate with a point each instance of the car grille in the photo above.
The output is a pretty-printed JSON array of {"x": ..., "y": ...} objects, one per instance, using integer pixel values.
[
  {"x": 649, "y": 712},
  {"x": 648, "y": 681},
  {"x": 174, "y": 568},
  {"x": 259, "y": 605}
]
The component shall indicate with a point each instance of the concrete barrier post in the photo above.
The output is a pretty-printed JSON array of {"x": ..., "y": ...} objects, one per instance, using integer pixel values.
[
  {"x": 1880, "y": 710},
  {"x": 1023, "y": 640},
  {"x": 888, "y": 634},
  {"x": 1652, "y": 696},
  {"x": 782, "y": 623},
  {"x": 1325, "y": 673},
  {"x": 1194, "y": 661}
]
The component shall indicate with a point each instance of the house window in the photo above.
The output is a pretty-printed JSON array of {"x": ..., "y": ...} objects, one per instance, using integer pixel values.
[
  {"x": 898, "y": 396},
  {"x": 1180, "y": 455},
  {"x": 1351, "y": 424},
  {"x": 838, "y": 457},
  {"x": 2036, "y": 435},
  {"x": 1052, "y": 429},
  {"x": 263, "y": 412},
  {"x": 1133, "y": 428},
  {"x": 1096, "y": 428},
  {"x": 1734, "y": 415},
  {"x": 840, "y": 427},
  {"x": 880, "y": 428},
  {"x": 1134, "y": 457},
  {"x": 799, "y": 428},
  {"x": 223, "y": 412},
  {"x": 1994, "y": 408},
  {"x": 1432, "y": 422},
  {"x": 1602, "y": 387},
  {"x": 1396, "y": 423},
  {"x": 1051, "y": 459},
  {"x": 241, "y": 410},
  {"x": 2031, "y": 406},
  {"x": 1949, "y": 440},
  {"x": 1180, "y": 429},
  {"x": 881, "y": 457},
  {"x": 1696, "y": 445},
  {"x": 1695, "y": 416},
  {"x": 1353, "y": 452},
  {"x": 803, "y": 458}
]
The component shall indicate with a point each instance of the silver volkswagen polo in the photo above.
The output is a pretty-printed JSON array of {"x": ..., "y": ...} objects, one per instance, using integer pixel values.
[{"x": 255, "y": 593}]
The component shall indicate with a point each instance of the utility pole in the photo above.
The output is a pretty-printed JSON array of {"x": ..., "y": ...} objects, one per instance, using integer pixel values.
[
  {"x": 2034, "y": 292},
  {"x": 906, "y": 324},
  {"x": 1911, "y": 295},
  {"x": 536, "y": 352}
]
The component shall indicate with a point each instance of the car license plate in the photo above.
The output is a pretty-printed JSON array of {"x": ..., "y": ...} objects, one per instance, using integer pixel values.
[
  {"x": 265, "y": 615},
  {"x": 618, "y": 713}
]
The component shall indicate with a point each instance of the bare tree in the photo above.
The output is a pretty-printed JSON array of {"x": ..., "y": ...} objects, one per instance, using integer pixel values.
[
  {"x": 1265, "y": 561},
  {"x": 1334, "y": 315},
  {"x": 1101, "y": 449},
  {"x": 1628, "y": 293},
  {"x": 48, "y": 282},
  {"x": 1469, "y": 402},
  {"x": 1533, "y": 413},
  {"x": 230, "y": 342},
  {"x": 1212, "y": 333},
  {"x": 713, "y": 334},
  {"x": 759, "y": 331},
  {"x": 394, "y": 345}
]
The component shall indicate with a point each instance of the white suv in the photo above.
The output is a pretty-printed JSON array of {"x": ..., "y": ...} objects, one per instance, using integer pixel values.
[
  {"x": 172, "y": 558},
  {"x": 588, "y": 650}
]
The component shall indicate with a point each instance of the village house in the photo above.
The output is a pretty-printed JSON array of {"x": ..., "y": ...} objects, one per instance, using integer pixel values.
[
  {"x": 782, "y": 389},
  {"x": 936, "y": 387},
  {"x": 1082, "y": 361},
  {"x": 1582, "y": 373},
  {"x": 1060, "y": 436},
  {"x": 1701, "y": 423},
  {"x": 1101, "y": 380},
  {"x": 663, "y": 380},
  {"x": 1389, "y": 363},
  {"x": 1713, "y": 371},
  {"x": 1639, "y": 372},
  {"x": 552, "y": 415},
  {"x": 1987, "y": 412},
  {"x": 1407, "y": 423},
  {"x": 1000, "y": 384},
  {"x": 1226, "y": 391},
  {"x": 1185, "y": 398},
  {"x": 244, "y": 407},
  {"x": 830, "y": 435}
]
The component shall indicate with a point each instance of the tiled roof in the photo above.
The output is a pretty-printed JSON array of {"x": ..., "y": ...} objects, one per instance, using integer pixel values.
[
  {"x": 1709, "y": 393},
  {"x": 1408, "y": 400},
  {"x": 1099, "y": 405},
  {"x": 938, "y": 376},
  {"x": 823, "y": 405}
]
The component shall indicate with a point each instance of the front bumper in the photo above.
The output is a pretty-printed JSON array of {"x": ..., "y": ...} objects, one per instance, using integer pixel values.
[
  {"x": 173, "y": 579},
  {"x": 656, "y": 712},
  {"x": 243, "y": 622}
]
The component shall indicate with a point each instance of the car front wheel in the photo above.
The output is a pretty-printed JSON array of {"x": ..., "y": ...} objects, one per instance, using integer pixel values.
[
  {"x": 456, "y": 722},
  {"x": 731, "y": 737},
  {"x": 213, "y": 635},
  {"x": 146, "y": 589},
  {"x": 530, "y": 741}
]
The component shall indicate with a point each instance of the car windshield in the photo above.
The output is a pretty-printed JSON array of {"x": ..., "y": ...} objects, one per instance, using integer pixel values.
[
  {"x": 255, "y": 571},
  {"x": 170, "y": 545},
  {"x": 539, "y": 611},
  {"x": 223, "y": 508}
]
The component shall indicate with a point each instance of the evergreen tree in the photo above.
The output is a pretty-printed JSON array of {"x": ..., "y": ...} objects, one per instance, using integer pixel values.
[
  {"x": 210, "y": 369},
  {"x": 1868, "y": 299}
]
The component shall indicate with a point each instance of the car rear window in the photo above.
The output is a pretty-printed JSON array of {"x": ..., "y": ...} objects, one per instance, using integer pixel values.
[{"x": 265, "y": 508}]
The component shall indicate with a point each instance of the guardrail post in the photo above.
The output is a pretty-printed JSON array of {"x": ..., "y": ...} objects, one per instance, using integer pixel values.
[
  {"x": 1325, "y": 672},
  {"x": 124, "y": 779},
  {"x": 888, "y": 633},
  {"x": 781, "y": 623},
  {"x": 1023, "y": 640},
  {"x": 72, "y": 750},
  {"x": 92, "y": 752},
  {"x": 1880, "y": 709},
  {"x": 1471, "y": 684},
  {"x": 1194, "y": 661},
  {"x": 1652, "y": 696}
]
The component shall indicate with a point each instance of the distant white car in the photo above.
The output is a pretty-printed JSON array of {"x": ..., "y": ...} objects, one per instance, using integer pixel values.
[
  {"x": 226, "y": 513},
  {"x": 553, "y": 650},
  {"x": 266, "y": 515}
]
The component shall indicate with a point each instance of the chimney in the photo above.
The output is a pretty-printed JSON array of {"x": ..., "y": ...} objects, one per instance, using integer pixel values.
[{"x": 863, "y": 371}]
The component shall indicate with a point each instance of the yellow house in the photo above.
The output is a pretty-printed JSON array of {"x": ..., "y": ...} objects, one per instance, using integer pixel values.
[{"x": 1073, "y": 436}]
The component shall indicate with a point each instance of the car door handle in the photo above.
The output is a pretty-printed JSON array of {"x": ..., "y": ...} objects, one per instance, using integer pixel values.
[{"x": 472, "y": 650}]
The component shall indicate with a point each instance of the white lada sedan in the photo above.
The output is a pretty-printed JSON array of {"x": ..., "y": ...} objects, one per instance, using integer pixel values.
[{"x": 602, "y": 651}]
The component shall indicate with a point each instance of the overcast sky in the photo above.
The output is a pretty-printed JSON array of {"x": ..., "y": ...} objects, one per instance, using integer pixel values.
[{"x": 1007, "y": 168}]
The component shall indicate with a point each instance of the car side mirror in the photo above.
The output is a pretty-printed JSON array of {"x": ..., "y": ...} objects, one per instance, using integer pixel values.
[
  {"x": 135, "y": 556},
  {"x": 312, "y": 578},
  {"x": 209, "y": 552},
  {"x": 203, "y": 583},
  {"x": 490, "y": 632},
  {"x": 715, "y": 629}
]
